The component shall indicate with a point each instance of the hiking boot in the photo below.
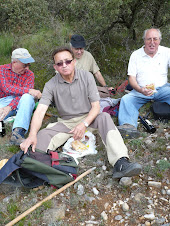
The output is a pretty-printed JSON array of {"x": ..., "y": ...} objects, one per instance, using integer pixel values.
[
  {"x": 17, "y": 136},
  {"x": 128, "y": 131},
  {"x": 124, "y": 168}
]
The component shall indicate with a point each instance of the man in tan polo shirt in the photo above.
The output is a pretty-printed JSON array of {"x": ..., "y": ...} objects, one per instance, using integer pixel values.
[
  {"x": 76, "y": 98},
  {"x": 85, "y": 60}
]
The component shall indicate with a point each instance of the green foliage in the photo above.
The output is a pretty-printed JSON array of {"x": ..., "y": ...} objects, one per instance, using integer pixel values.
[
  {"x": 12, "y": 208},
  {"x": 47, "y": 204},
  {"x": 13, "y": 149},
  {"x": 6, "y": 43},
  {"x": 23, "y": 15},
  {"x": 163, "y": 165}
]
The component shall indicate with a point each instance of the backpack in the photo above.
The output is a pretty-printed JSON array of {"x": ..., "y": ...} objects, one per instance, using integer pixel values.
[
  {"x": 160, "y": 110},
  {"x": 38, "y": 168},
  {"x": 119, "y": 88}
]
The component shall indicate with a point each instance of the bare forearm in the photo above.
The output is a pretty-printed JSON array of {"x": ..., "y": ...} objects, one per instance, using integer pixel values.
[
  {"x": 134, "y": 84},
  {"x": 37, "y": 119},
  {"x": 100, "y": 78},
  {"x": 93, "y": 112}
]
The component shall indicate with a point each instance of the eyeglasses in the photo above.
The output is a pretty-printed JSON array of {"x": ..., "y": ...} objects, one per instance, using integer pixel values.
[
  {"x": 152, "y": 39},
  {"x": 67, "y": 62}
]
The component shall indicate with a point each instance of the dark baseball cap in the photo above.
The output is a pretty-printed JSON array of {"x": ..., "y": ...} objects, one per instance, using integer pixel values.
[{"x": 77, "y": 41}]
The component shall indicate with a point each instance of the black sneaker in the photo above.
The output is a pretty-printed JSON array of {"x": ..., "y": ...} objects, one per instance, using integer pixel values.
[
  {"x": 128, "y": 131},
  {"x": 124, "y": 168}
]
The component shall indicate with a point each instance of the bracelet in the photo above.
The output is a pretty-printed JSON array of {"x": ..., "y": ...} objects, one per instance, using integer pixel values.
[{"x": 105, "y": 86}]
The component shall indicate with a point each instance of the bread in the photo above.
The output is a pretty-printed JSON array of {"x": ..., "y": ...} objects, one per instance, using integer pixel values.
[
  {"x": 151, "y": 86},
  {"x": 3, "y": 162},
  {"x": 78, "y": 145}
]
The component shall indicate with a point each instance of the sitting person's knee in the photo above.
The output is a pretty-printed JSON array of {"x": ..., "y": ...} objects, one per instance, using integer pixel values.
[{"x": 27, "y": 98}]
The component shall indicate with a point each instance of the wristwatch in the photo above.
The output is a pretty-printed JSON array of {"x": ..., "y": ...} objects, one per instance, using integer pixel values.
[{"x": 86, "y": 124}]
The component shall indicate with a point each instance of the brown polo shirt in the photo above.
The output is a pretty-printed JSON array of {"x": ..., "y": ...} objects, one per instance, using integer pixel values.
[{"x": 71, "y": 99}]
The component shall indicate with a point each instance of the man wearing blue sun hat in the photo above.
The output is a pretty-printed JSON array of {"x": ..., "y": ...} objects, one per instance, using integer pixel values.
[{"x": 17, "y": 93}]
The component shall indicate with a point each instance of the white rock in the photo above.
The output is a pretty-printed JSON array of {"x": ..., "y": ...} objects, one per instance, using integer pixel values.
[
  {"x": 168, "y": 192},
  {"x": 80, "y": 190},
  {"x": 150, "y": 216},
  {"x": 125, "y": 181},
  {"x": 104, "y": 167},
  {"x": 138, "y": 197},
  {"x": 120, "y": 202},
  {"x": 95, "y": 191},
  {"x": 163, "y": 199},
  {"x": 104, "y": 216},
  {"x": 106, "y": 205},
  {"x": 118, "y": 217},
  {"x": 163, "y": 192},
  {"x": 125, "y": 207},
  {"x": 148, "y": 142},
  {"x": 91, "y": 223},
  {"x": 98, "y": 176},
  {"x": 154, "y": 184}
]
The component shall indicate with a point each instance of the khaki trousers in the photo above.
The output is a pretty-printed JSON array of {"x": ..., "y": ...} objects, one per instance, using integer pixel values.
[{"x": 56, "y": 134}]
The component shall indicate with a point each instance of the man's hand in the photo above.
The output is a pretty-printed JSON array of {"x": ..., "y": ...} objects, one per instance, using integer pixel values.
[
  {"x": 35, "y": 93},
  {"x": 78, "y": 131},
  {"x": 110, "y": 88},
  {"x": 4, "y": 112},
  {"x": 31, "y": 140},
  {"x": 146, "y": 92}
]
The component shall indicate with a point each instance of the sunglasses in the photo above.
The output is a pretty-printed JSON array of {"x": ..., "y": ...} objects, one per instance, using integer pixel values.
[{"x": 67, "y": 62}]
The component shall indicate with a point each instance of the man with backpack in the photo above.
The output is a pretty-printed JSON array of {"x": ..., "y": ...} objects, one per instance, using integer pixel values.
[
  {"x": 147, "y": 71},
  {"x": 76, "y": 98}
]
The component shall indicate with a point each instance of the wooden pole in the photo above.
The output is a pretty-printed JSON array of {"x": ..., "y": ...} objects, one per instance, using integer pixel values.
[{"x": 49, "y": 197}]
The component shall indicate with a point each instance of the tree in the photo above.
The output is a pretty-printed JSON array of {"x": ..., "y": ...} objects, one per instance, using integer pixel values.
[{"x": 23, "y": 15}]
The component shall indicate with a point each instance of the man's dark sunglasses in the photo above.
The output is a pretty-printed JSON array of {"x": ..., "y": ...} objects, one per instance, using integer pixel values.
[{"x": 67, "y": 62}]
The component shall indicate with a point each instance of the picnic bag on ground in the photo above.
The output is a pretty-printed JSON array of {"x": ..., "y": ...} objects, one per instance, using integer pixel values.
[
  {"x": 160, "y": 110},
  {"x": 37, "y": 168}
]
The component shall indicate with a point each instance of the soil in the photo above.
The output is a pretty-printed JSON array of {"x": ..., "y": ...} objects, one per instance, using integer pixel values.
[{"x": 86, "y": 209}]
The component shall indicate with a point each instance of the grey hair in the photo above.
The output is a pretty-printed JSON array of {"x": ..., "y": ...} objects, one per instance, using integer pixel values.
[{"x": 159, "y": 32}]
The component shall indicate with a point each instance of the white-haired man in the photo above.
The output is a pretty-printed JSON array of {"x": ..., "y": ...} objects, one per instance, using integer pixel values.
[{"x": 147, "y": 66}]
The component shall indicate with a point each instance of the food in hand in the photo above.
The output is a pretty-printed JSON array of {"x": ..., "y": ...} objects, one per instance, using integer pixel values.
[
  {"x": 151, "y": 86},
  {"x": 78, "y": 145}
]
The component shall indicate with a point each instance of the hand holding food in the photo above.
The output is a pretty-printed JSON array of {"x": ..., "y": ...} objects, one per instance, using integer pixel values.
[{"x": 150, "y": 86}]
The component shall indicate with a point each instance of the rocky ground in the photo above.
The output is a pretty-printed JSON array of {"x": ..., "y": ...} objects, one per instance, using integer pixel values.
[{"x": 97, "y": 199}]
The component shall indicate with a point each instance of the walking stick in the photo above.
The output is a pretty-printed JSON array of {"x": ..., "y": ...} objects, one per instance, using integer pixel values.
[{"x": 49, "y": 197}]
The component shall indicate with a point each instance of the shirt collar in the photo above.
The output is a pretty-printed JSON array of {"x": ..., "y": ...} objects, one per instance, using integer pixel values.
[{"x": 61, "y": 80}]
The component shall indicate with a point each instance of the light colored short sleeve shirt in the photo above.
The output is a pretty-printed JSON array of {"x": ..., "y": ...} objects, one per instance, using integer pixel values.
[
  {"x": 148, "y": 69},
  {"x": 71, "y": 99},
  {"x": 87, "y": 63}
]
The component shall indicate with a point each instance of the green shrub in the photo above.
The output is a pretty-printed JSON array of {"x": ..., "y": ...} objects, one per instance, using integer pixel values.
[{"x": 23, "y": 16}]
